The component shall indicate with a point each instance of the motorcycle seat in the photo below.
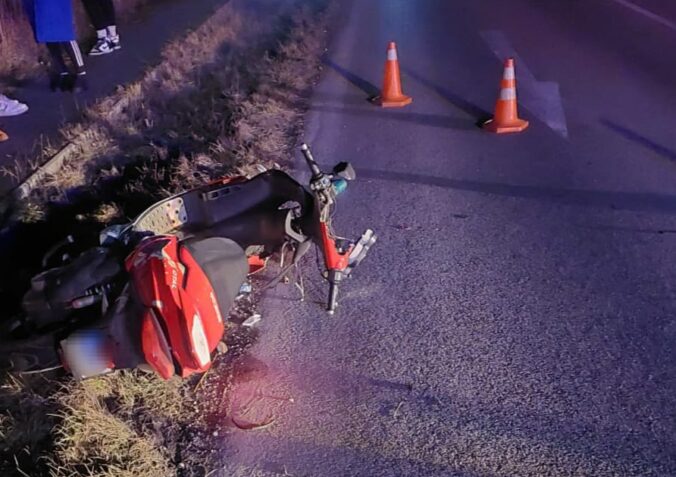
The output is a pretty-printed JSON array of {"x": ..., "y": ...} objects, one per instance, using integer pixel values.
[{"x": 225, "y": 265}]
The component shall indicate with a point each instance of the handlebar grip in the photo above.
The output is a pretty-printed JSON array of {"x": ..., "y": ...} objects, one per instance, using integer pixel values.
[{"x": 312, "y": 164}]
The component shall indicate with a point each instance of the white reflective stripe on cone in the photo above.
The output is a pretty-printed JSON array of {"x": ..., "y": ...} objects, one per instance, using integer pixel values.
[
  {"x": 507, "y": 94},
  {"x": 509, "y": 73},
  {"x": 392, "y": 55}
]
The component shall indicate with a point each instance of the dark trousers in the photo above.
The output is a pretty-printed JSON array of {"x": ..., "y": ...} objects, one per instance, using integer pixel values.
[
  {"x": 59, "y": 51},
  {"x": 101, "y": 13}
]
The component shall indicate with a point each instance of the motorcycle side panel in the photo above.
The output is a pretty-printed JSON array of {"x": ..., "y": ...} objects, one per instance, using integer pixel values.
[
  {"x": 156, "y": 276},
  {"x": 174, "y": 288},
  {"x": 155, "y": 346}
]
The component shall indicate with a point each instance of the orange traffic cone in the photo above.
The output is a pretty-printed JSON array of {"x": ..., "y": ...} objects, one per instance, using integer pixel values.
[
  {"x": 392, "y": 96},
  {"x": 506, "y": 118},
  {"x": 3, "y": 136}
]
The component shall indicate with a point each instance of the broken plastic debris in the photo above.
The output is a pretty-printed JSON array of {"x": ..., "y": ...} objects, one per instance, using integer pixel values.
[
  {"x": 222, "y": 347},
  {"x": 252, "y": 320}
]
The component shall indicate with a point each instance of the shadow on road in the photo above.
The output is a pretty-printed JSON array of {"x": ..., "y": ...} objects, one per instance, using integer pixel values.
[
  {"x": 634, "y": 201},
  {"x": 433, "y": 120},
  {"x": 367, "y": 87},
  {"x": 639, "y": 139},
  {"x": 637, "y": 230},
  {"x": 478, "y": 113}
]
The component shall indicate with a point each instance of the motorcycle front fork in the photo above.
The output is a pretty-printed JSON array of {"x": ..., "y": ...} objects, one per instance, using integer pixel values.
[
  {"x": 334, "y": 277},
  {"x": 336, "y": 261},
  {"x": 340, "y": 259}
]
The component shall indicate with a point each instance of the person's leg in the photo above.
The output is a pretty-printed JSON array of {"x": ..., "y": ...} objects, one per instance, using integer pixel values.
[
  {"x": 58, "y": 78},
  {"x": 58, "y": 63},
  {"x": 97, "y": 14},
  {"x": 109, "y": 11},
  {"x": 102, "y": 15},
  {"x": 73, "y": 51}
]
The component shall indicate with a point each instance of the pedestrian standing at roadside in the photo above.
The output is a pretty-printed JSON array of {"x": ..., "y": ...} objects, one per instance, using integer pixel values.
[
  {"x": 52, "y": 22},
  {"x": 102, "y": 15}
]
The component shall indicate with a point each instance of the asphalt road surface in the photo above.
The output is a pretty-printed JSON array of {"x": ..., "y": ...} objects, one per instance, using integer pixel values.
[{"x": 517, "y": 316}]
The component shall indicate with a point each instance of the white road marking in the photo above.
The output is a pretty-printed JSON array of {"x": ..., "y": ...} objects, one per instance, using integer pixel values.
[
  {"x": 647, "y": 13},
  {"x": 542, "y": 98}
]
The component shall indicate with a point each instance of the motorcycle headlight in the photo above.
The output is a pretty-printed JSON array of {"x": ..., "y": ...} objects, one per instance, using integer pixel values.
[{"x": 199, "y": 341}]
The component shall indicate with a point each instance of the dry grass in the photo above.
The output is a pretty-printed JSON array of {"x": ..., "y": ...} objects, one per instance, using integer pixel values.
[
  {"x": 25, "y": 423},
  {"x": 20, "y": 56},
  {"x": 226, "y": 97},
  {"x": 118, "y": 425},
  {"x": 18, "y": 50},
  {"x": 124, "y": 424}
]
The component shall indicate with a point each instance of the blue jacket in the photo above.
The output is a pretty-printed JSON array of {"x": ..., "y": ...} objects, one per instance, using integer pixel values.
[{"x": 52, "y": 20}]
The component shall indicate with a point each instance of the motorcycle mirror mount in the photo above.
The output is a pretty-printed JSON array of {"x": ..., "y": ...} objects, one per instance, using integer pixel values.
[{"x": 344, "y": 170}]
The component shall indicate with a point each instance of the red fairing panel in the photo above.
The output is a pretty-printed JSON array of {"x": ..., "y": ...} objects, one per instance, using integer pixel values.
[
  {"x": 155, "y": 347},
  {"x": 198, "y": 288},
  {"x": 169, "y": 282}
]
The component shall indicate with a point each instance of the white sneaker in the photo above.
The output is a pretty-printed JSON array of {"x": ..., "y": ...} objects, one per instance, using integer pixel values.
[
  {"x": 102, "y": 47},
  {"x": 114, "y": 42},
  {"x": 11, "y": 107}
]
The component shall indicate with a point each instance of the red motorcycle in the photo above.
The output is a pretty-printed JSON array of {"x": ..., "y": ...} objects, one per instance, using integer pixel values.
[{"x": 157, "y": 292}]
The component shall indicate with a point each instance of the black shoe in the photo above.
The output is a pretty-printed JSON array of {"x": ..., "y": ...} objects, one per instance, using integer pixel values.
[
  {"x": 80, "y": 83},
  {"x": 59, "y": 82}
]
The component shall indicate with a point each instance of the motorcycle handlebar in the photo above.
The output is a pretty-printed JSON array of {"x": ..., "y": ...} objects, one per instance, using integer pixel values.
[{"x": 312, "y": 164}]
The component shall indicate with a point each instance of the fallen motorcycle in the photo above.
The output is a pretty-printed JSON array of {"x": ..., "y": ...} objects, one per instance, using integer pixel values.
[{"x": 156, "y": 293}]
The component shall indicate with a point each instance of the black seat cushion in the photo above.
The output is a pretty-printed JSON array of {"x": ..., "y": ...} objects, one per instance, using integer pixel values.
[{"x": 225, "y": 265}]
